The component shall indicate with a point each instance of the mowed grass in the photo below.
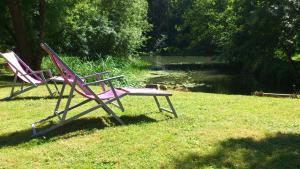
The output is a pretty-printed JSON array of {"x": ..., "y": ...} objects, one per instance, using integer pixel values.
[{"x": 212, "y": 131}]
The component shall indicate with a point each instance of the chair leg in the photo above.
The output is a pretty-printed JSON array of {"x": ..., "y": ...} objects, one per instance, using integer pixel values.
[
  {"x": 161, "y": 109},
  {"x": 58, "y": 114},
  {"x": 69, "y": 100},
  {"x": 22, "y": 85},
  {"x": 14, "y": 93},
  {"x": 64, "y": 119},
  {"x": 119, "y": 106},
  {"x": 171, "y": 106},
  {"x": 110, "y": 112},
  {"x": 59, "y": 100},
  {"x": 55, "y": 85},
  {"x": 62, "y": 122},
  {"x": 157, "y": 103},
  {"x": 13, "y": 87},
  {"x": 49, "y": 90}
]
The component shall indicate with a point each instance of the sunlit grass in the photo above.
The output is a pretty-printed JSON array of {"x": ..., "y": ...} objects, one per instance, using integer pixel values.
[
  {"x": 212, "y": 131},
  {"x": 296, "y": 57}
]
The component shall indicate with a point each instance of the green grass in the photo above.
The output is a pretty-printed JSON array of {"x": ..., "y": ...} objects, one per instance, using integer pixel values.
[
  {"x": 212, "y": 131},
  {"x": 296, "y": 57},
  {"x": 132, "y": 67}
]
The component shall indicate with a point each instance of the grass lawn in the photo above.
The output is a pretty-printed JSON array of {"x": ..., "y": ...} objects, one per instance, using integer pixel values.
[{"x": 212, "y": 131}]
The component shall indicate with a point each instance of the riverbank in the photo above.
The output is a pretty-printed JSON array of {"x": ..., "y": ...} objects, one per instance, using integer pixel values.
[
  {"x": 207, "y": 74},
  {"x": 189, "y": 73}
]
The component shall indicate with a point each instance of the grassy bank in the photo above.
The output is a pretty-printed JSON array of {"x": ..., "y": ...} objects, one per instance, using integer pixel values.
[
  {"x": 133, "y": 68},
  {"x": 212, "y": 131}
]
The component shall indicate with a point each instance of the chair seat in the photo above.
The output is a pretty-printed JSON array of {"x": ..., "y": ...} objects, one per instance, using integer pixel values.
[
  {"x": 33, "y": 80},
  {"x": 145, "y": 92},
  {"x": 58, "y": 79},
  {"x": 109, "y": 94}
]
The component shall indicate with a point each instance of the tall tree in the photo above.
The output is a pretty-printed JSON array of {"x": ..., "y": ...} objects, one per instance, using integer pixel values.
[
  {"x": 27, "y": 47},
  {"x": 22, "y": 42},
  {"x": 38, "y": 55},
  {"x": 180, "y": 27}
]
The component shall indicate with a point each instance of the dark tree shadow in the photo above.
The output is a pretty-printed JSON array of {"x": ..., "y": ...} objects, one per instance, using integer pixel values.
[
  {"x": 6, "y": 81},
  {"x": 34, "y": 98},
  {"x": 85, "y": 124},
  {"x": 273, "y": 152},
  {"x": 6, "y": 77}
]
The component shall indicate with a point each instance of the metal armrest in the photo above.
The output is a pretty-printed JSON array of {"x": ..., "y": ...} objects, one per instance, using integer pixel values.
[
  {"x": 34, "y": 72},
  {"x": 104, "y": 80},
  {"x": 41, "y": 72},
  {"x": 94, "y": 74}
]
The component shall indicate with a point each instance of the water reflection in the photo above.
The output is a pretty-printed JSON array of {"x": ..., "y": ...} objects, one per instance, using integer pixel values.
[{"x": 204, "y": 74}]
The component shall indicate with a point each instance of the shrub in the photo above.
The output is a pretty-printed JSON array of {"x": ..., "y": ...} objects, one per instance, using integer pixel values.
[{"x": 132, "y": 68}]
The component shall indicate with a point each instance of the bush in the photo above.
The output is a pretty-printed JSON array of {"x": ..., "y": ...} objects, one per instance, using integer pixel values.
[
  {"x": 132, "y": 68},
  {"x": 98, "y": 28}
]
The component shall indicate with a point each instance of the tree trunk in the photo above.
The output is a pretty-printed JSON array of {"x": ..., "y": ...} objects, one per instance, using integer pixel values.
[
  {"x": 37, "y": 61},
  {"x": 22, "y": 42}
]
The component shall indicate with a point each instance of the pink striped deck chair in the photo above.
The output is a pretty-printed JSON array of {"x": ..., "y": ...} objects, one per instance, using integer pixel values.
[
  {"x": 108, "y": 95},
  {"x": 27, "y": 76}
]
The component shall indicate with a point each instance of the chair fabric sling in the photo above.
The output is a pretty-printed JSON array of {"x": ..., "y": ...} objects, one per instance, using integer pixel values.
[
  {"x": 23, "y": 72},
  {"x": 109, "y": 94}
]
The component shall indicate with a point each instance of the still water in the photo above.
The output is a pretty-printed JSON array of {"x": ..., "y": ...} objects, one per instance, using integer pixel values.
[{"x": 205, "y": 74}]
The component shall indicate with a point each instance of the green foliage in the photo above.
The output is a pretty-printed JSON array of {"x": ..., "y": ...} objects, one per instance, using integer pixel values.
[
  {"x": 264, "y": 29},
  {"x": 296, "y": 57},
  {"x": 6, "y": 39},
  {"x": 241, "y": 31},
  {"x": 210, "y": 24},
  {"x": 191, "y": 27},
  {"x": 166, "y": 16},
  {"x": 82, "y": 27},
  {"x": 249, "y": 34},
  {"x": 133, "y": 67},
  {"x": 104, "y": 27},
  {"x": 265, "y": 38}
]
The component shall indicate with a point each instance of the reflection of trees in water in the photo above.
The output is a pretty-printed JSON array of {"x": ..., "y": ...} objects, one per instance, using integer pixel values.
[{"x": 215, "y": 78}]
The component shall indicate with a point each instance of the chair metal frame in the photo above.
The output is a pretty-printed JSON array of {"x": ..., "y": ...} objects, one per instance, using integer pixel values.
[
  {"x": 78, "y": 83},
  {"x": 29, "y": 72},
  {"x": 62, "y": 114}
]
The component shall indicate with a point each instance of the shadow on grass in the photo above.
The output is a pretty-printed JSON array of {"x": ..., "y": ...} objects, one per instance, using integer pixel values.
[
  {"x": 34, "y": 98},
  {"x": 277, "y": 151},
  {"x": 85, "y": 124},
  {"x": 6, "y": 81}
]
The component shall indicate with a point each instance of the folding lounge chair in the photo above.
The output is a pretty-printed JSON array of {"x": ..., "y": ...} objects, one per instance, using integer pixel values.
[
  {"x": 107, "y": 96},
  {"x": 23, "y": 72}
]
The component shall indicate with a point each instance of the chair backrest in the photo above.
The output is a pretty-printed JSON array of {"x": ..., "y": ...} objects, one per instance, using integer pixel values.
[
  {"x": 20, "y": 68},
  {"x": 66, "y": 72}
]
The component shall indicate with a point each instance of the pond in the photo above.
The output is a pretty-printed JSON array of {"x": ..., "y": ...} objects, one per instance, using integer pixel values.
[{"x": 205, "y": 74}]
